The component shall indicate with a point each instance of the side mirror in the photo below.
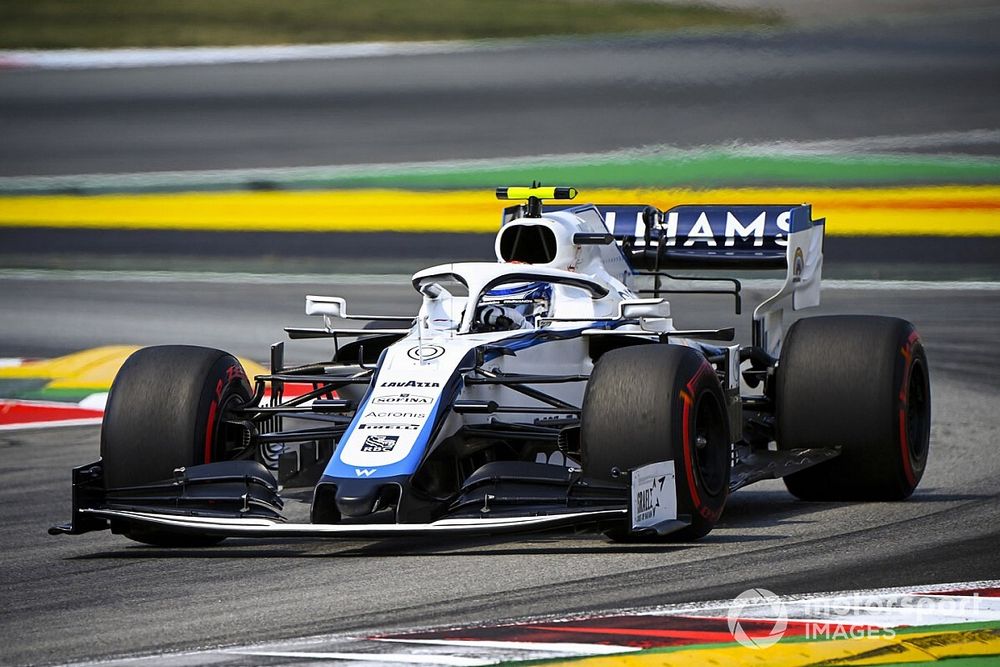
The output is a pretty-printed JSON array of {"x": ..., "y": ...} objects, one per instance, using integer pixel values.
[
  {"x": 631, "y": 309},
  {"x": 432, "y": 290},
  {"x": 330, "y": 306}
]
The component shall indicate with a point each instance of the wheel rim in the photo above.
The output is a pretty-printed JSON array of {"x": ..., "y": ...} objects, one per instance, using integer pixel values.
[
  {"x": 918, "y": 414},
  {"x": 710, "y": 449},
  {"x": 229, "y": 439}
]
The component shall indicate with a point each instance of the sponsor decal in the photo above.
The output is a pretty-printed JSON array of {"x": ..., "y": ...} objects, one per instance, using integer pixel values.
[
  {"x": 710, "y": 227},
  {"x": 398, "y": 415},
  {"x": 654, "y": 495},
  {"x": 379, "y": 443},
  {"x": 235, "y": 371},
  {"x": 403, "y": 399},
  {"x": 695, "y": 226},
  {"x": 382, "y": 426},
  {"x": 409, "y": 383},
  {"x": 797, "y": 265},
  {"x": 425, "y": 352},
  {"x": 365, "y": 472}
]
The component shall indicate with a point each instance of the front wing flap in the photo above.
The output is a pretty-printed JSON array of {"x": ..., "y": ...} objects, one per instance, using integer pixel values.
[{"x": 261, "y": 527}]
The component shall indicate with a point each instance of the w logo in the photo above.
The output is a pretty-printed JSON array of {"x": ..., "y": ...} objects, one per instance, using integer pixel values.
[{"x": 365, "y": 472}]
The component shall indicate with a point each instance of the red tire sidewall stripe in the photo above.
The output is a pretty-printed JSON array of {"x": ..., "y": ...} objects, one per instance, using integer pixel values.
[
  {"x": 688, "y": 460},
  {"x": 688, "y": 395},
  {"x": 904, "y": 442},
  {"x": 210, "y": 422}
]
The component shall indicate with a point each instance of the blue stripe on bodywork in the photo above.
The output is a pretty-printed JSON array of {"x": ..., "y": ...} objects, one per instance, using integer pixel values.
[
  {"x": 337, "y": 468},
  {"x": 538, "y": 337},
  {"x": 529, "y": 287}
]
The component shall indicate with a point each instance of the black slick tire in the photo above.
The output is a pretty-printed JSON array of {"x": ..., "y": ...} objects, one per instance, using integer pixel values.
[
  {"x": 860, "y": 383},
  {"x": 165, "y": 411},
  {"x": 652, "y": 403}
]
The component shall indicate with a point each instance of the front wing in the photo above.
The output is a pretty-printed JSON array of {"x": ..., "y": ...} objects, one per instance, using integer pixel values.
[{"x": 259, "y": 527}]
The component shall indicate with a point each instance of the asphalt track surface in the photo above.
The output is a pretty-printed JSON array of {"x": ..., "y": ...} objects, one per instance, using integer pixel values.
[
  {"x": 75, "y": 598},
  {"x": 873, "y": 78}
]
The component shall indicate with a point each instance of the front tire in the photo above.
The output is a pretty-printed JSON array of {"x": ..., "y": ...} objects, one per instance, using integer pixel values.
[
  {"x": 165, "y": 411},
  {"x": 860, "y": 383},
  {"x": 652, "y": 403}
]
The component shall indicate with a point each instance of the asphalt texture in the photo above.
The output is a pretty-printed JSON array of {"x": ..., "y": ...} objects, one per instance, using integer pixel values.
[
  {"x": 98, "y": 595},
  {"x": 876, "y": 77}
]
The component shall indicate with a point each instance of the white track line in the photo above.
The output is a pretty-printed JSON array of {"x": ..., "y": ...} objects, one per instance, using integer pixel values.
[
  {"x": 204, "y": 277},
  {"x": 877, "y": 144},
  {"x": 378, "y": 658},
  {"x": 402, "y": 280},
  {"x": 565, "y": 648},
  {"x": 213, "y": 55},
  {"x": 32, "y": 426}
]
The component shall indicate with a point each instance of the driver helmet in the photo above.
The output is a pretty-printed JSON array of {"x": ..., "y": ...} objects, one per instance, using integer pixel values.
[{"x": 514, "y": 306}]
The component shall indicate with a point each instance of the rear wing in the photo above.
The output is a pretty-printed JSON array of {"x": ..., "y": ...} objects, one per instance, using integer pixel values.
[
  {"x": 719, "y": 236},
  {"x": 696, "y": 236}
]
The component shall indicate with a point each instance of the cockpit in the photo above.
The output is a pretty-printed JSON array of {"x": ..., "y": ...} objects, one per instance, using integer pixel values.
[{"x": 511, "y": 307}]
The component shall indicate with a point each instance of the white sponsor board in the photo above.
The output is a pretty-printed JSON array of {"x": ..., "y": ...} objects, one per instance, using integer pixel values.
[{"x": 654, "y": 495}]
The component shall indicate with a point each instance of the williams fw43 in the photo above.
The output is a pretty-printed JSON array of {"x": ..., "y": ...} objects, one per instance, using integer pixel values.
[{"x": 547, "y": 389}]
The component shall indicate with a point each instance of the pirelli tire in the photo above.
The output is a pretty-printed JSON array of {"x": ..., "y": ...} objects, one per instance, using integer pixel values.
[
  {"x": 652, "y": 403},
  {"x": 166, "y": 410},
  {"x": 860, "y": 383}
]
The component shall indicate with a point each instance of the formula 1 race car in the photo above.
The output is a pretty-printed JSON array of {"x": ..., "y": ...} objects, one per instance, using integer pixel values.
[{"x": 547, "y": 389}]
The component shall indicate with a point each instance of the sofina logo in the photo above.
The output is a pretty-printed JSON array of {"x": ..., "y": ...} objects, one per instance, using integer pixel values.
[
  {"x": 757, "y": 603},
  {"x": 400, "y": 399}
]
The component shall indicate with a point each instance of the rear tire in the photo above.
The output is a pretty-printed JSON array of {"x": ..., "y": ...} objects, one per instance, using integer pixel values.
[
  {"x": 652, "y": 403},
  {"x": 861, "y": 383},
  {"x": 165, "y": 411}
]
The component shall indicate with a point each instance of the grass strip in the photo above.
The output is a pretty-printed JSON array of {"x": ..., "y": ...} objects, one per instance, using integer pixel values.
[
  {"x": 707, "y": 170},
  {"x": 61, "y": 24},
  {"x": 674, "y": 169}
]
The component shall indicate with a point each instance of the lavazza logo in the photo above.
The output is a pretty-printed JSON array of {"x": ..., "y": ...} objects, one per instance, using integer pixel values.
[
  {"x": 410, "y": 383},
  {"x": 758, "y": 618}
]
